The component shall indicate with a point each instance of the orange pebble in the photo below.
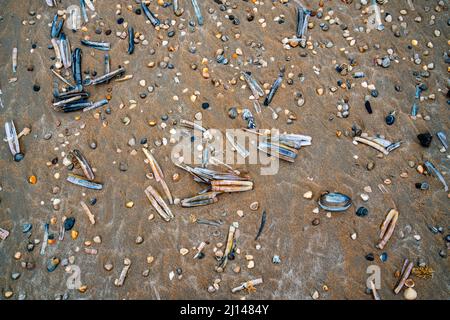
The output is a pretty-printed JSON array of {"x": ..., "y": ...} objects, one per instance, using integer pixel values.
[{"x": 32, "y": 179}]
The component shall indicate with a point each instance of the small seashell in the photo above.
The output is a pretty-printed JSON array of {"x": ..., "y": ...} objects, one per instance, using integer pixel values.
[
  {"x": 254, "y": 206},
  {"x": 410, "y": 294}
]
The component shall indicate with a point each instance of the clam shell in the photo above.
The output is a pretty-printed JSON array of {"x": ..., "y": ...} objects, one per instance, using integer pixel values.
[{"x": 334, "y": 201}]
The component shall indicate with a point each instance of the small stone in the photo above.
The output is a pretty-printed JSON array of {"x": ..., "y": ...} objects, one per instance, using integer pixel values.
[
  {"x": 184, "y": 251},
  {"x": 129, "y": 204},
  {"x": 315, "y": 295},
  {"x": 251, "y": 264},
  {"x": 370, "y": 257},
  {"x": 308, "y": 195},
  {"x": 108, "y": 266},
  {"x": 425, "y": 139},
  {"x": 139, "y": 240}
]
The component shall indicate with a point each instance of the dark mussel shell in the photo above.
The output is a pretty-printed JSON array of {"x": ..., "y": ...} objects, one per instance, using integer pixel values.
[
  {"x": 334, "y": 201},
  {"x": 69, "y": 223}
]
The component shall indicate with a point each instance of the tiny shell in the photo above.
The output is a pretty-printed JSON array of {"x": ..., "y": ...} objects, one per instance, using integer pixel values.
[
  {"x": 409, "y": 283},
  {"x": 410, "y": 294}
]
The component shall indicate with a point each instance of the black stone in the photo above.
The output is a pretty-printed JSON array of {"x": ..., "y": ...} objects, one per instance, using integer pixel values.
[
  {"x": 93, "y": 201},
  {"x": 36, "y": 88},
  {"x": 425, "y": 139},
  {"x": 370, "y": 257},
  {"x": 205, "y": 105},
  {"x": 108, "y": 32},
  {"x": 120, "y": 21},
  {"x": 143, "y": 140}
]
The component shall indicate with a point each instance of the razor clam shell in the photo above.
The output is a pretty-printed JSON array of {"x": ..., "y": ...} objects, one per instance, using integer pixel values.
[
  {"x": 335, "y": 202},
  {"x": 80, "y": 181}
]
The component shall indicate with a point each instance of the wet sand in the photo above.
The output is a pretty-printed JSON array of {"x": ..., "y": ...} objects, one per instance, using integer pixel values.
[{"x": 311, "y": 256}]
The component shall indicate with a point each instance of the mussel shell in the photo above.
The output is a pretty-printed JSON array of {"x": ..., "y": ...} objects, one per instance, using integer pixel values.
[
  {"x": 69, "y": 223},
  {"x": 18, "y": 157},
  {"x": 26, "y": 227},
  {"x": 362, "y": 212},
  {"x": 334, "y": 201}
]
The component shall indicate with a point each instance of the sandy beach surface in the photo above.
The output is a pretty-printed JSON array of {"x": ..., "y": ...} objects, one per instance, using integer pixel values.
[{"x": 323, "y": 257}]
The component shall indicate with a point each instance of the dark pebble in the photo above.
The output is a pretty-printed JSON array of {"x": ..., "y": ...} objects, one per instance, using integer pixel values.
[
  {"x": 34, "y": 46},
  {"x": 108, "y": 32},
  {"x": 55, "y": 160},
  {"x": 70, "y": 167},
  {"x": 123, "y": 167},
  {"x": 370, "y": 257},
  {"x": 374, "y": 93},
  {"x": 170, "y": 34},
  {"x": 138, "y": 11},
  {"x": 398, "y": 88},
  {"x": 205, "y": 105},
  {"x": 120, "y": 21},
  {"x": 108, "y": 110},
  {"x": 143, "y": 140},
  {"x": 362, "y": 212},
  {"x": 69, "y": 223},
  {"x": 30, "y": 68},
  {"x": 179, "y": 271},
  {"x": 447, "y": 238},
  {"x": 98, "y": 31},
  {"x": 93, "y": 145},
  {"x": 143, "y": 95},
  {"x": 425, "y": 139},
  {"x": 93, "y": 201},
  {"x": 383, "y": 257},
  {"x": 164, "y": 117},
  {"x": 36, "y": 88}
]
